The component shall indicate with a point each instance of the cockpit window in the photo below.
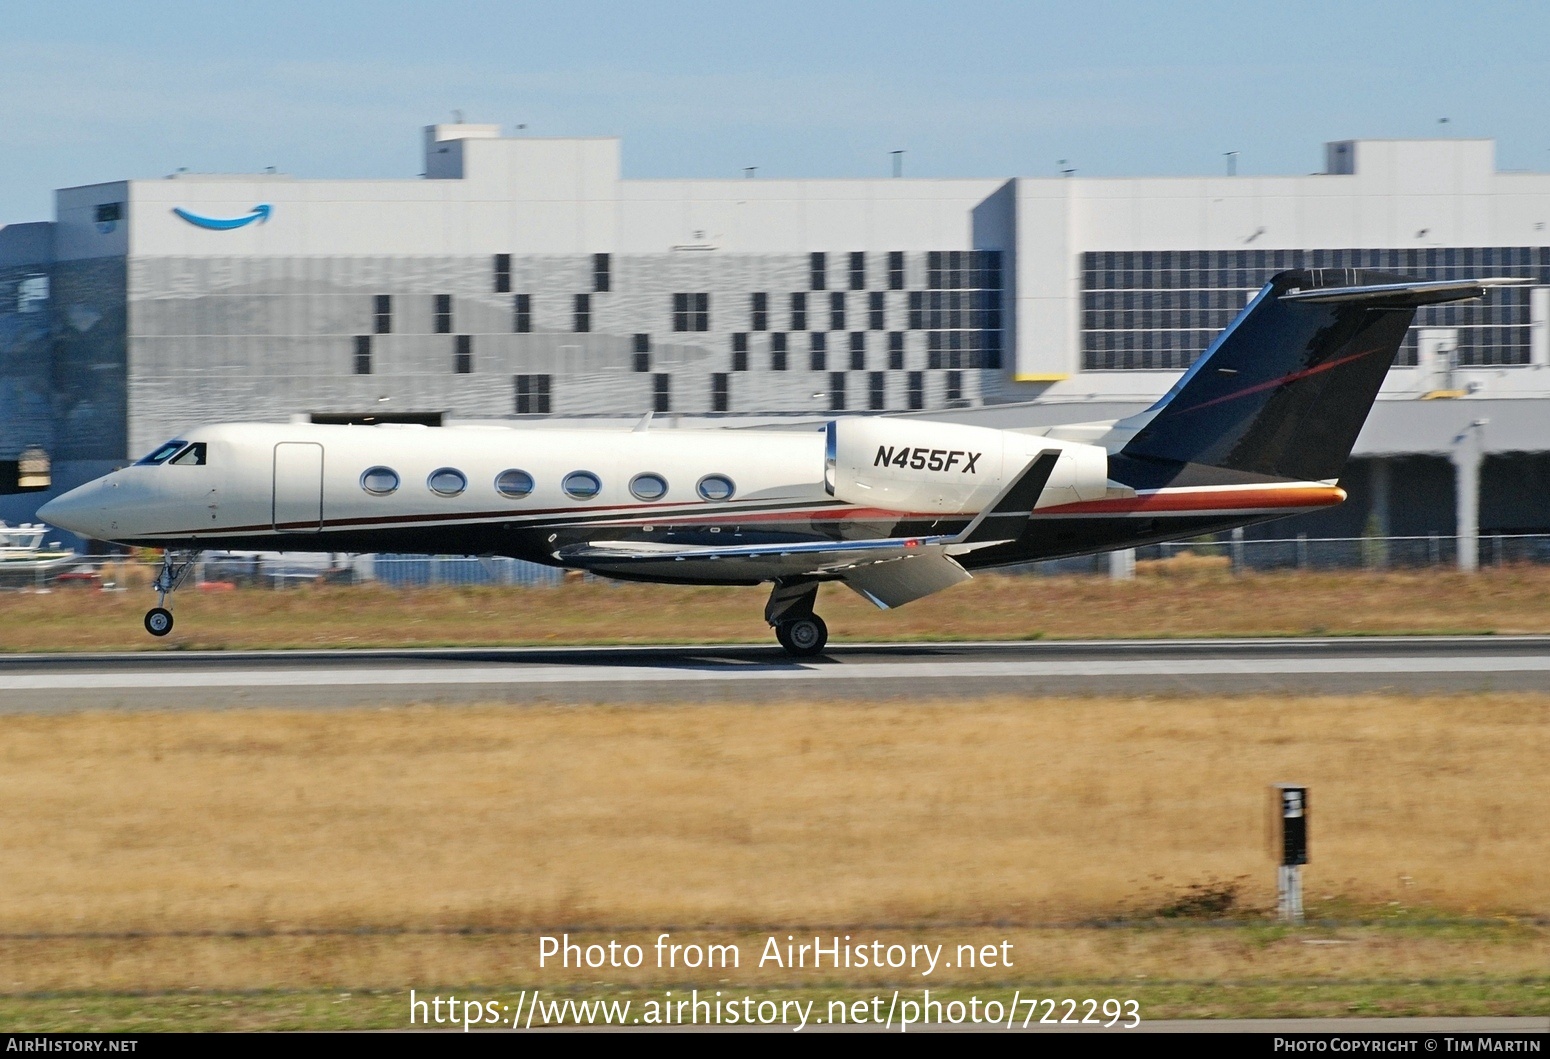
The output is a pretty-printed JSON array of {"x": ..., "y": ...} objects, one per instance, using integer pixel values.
[
  {"x": 193, "y": 456},
  {"x": 162, "y": 454}
]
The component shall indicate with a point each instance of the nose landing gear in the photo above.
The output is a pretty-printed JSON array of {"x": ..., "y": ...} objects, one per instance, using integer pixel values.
[
  {"x": 175, "y": 566},
  {"x": 790, "y": 610}
]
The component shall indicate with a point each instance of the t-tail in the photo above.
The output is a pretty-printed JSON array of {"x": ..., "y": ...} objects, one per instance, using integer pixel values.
[{"x": 1283, "y": 392}]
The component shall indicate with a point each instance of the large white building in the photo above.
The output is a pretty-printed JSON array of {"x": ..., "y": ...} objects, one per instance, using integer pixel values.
[{"x": 526, "y": 276}]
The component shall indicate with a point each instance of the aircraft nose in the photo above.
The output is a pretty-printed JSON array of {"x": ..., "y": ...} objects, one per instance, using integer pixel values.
[{"x": 79, "y": 511}]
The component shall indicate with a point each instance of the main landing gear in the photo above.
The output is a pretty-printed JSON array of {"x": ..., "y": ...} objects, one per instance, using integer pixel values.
[
  {"x": 175, "y": 566},
  {"x": 790, "y": 610}
]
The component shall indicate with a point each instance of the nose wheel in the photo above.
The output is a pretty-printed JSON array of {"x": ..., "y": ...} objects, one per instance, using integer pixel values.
[
  {"x": 175, "y": 566},
  {"x": 158, "y": 621},
  {"x": 801, "y": 637}
]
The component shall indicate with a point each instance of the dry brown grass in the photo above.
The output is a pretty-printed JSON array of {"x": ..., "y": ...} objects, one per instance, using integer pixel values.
[
  {"x": 609, "y": 815},
  {"x": 1184, "y": 596},
  {"x": 738, "y": 818}
]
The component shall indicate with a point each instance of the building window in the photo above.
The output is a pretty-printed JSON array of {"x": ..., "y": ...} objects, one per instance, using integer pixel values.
[
  {"x": 820, "y": 351},
  {"x": 443, "y": 314},
  {"x": 502, "y": 273},
  {"x": 522, "y": 314},
  {"x": 363, "y": 354},
  {"x": 917, "y": 384},
  {"x": 382, "y": 323},
  {"x": 837, "y": 311},
  {"x": 642, "y": 353},
  {"x": 992, "y": 353},
  {"x": 661, "y": 392},
  {"x": 778, "y": 351},
  {"x": 896, "y": 350},
  {"x": 532, "y": 393},
  {"x": 600, "y": 272},
  {"x": 934, "y": 270},
  {"x": 464, "y": 358},
  {"x": 760, "y": 313},
  {"x": 858, "y": 351},
  {"x": 720, "y": 392},
  {"x": 798, "y": 312},
  {"x": 1161, "y": 309},
  {"x": 109, "y": 212},
  {"x": 896, "y": 270},
  {"x": 917, "y": 310},
  {"x": 819, "y": 267},
  {"x": 934, "y": 349},
  {"x": 875, "y": 396},
  {"x": 740, "y": 351},
  {"x": 874, "y": 319},
  {"x": 858, "y": 271},
  {"x": 691, "y": 312},
  {"x": 582, "y": 318},
  {"x": 955, "y": 349},
  {"x": 836, "y": 391},
  {"x": 955, "y": 385}
]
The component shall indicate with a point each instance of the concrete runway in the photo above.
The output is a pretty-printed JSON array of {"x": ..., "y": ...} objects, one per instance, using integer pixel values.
[{"x": 192, "y": 679}]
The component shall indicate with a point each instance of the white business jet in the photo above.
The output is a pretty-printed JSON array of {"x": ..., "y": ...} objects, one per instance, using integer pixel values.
[{"x": 893, "y": 508}]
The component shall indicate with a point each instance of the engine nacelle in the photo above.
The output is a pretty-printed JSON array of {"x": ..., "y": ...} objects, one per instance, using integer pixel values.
[{"x": 916, "y": 466}]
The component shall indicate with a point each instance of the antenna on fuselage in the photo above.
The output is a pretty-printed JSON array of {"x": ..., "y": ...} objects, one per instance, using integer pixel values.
[{"x": 644, "y": 424}]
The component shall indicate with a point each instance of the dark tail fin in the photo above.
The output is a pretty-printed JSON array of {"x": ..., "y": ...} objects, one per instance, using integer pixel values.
[{"x": 1284, "y": 391}]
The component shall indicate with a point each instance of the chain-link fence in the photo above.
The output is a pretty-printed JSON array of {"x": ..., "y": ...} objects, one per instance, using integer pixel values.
[
  {"x": 275, "y": 571},
  {"x": 272, "y": 570},
  {"x": 1326, "y": 553}
]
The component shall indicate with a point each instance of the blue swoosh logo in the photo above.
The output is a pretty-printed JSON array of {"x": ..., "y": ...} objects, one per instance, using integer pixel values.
[{"x": 260, "y": 213}]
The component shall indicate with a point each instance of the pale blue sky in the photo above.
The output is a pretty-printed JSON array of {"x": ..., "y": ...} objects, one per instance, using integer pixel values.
[{"x": 329, "y": 88}]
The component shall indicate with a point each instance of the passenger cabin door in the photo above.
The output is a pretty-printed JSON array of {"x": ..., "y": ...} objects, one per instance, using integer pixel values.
[{"x": 298, "y": 487}]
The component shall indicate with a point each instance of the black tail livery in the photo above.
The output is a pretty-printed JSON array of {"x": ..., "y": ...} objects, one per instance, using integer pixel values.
[{"x": 1284, "y": 391}]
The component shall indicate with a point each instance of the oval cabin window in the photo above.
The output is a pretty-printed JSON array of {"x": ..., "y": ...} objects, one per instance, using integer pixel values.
[
  {"x": 379, "y": 481},
  {"x": 514, "y": 484},
  {"x": 447, "y": 481},
  {"x": 583, "y": 485},
  {"x": 648, "y": 487},
  {"x": 716, "y": 487}
]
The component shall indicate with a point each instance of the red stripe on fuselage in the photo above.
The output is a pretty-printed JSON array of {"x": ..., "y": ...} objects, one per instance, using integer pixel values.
[{"x": 1164, "y": 501}]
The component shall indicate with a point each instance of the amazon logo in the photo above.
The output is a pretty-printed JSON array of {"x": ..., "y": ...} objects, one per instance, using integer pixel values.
[
  {"x": 259, "y": 213},
  {"x": 918, "y": 459}
]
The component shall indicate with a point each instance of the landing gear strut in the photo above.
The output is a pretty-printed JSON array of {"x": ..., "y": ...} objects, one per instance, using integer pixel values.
[
  {"x": 790, "y": 610},
  {"x": 175, "y": 566}
]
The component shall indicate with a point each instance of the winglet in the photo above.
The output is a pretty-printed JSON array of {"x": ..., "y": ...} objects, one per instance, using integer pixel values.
[{"x": 1005, "y": 517}]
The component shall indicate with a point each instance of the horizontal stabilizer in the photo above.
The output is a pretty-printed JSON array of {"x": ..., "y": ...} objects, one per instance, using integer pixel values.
[
  {"x": 898, "y": 581},
  {"x": 1405, "y": 295}
]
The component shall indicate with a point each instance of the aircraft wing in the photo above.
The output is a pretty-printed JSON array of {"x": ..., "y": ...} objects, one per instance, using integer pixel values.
[{"x": 888, "y": 571}]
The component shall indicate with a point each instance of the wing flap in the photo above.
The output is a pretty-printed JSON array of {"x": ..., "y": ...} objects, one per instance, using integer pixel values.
[{"x": 895, "y": 582}]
